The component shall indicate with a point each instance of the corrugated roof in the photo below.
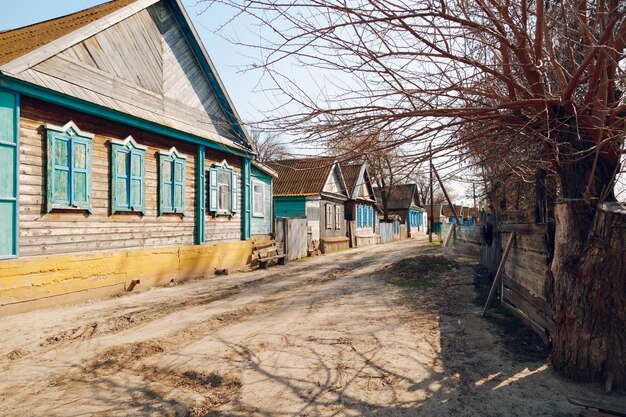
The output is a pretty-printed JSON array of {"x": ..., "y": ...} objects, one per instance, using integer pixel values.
[
  {"x": 351, "y": 176},
  {"x": 402, "y": 196},
  {"x": 436, "y": 209},
  {"x": 299, "y": 177},
  {"x": 448, "y": 212},
  {"x": 17, "y": 42}
]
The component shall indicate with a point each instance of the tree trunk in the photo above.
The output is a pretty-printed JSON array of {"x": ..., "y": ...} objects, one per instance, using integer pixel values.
[{"x": 589, "y": 292}]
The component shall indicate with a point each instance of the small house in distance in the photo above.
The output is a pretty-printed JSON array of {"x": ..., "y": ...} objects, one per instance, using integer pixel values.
[
  {"x": 404, "y": 201},
  {"x": 314, "y": 189},
  {"x": 361, "y": 207}
]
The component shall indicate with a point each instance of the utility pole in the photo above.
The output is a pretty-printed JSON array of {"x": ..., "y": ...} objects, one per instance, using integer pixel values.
[
  {"x": 474, "y": 192},
  {"x": 431, "y": 221}
]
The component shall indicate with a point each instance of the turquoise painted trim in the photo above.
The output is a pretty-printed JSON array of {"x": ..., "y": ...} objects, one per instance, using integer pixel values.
[
  {"x": 200, "y": 197},
  {"x": 290, "y": 206},
  {"x": 246, "y": 213},
  {"x": 73, "y": 139},
  {"x": 69, "y": 102},
  {"x": 206, "y": 67},
  {"x": 16, "y": 179},
  {"x": 130, "y": 150}
]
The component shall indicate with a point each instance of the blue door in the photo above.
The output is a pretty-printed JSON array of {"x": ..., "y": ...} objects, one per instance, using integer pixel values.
[{"x": 9, "y": 173}]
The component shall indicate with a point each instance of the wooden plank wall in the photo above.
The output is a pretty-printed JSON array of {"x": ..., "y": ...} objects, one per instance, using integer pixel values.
[
  {"x": 474, "y": 234},
  {"x": 78, "y": 232},
  {"x": 526, "y": 272}
]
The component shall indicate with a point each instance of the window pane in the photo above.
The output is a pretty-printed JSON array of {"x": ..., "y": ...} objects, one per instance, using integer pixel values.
[
  {"x": 135, "y": 165},
  {"x": 224, "y": 203},
  {"x": 80, "y": 186},
  {"x": 80, "y": 155},
  {"x": 167, "y": 196},
  {"x": 122, "y": 163},
  {"x": 121, "y": 193},
  {"x": 61, "y": 152},
  {"x": 223, "y": 177}
]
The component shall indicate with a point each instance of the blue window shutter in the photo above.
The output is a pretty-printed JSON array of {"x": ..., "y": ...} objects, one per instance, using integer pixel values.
[
  {"x": 137, "y": 176},
  {"x": 81, "y": 173},
  {"x": 213, "y": 196},
  {"x": 59, "y": 173},
  {"x": 179, "y": 186},
  {"x": 166, "y": 185},
  {"x": 234, "y": 193},
  {"x": 370, "y": 216},
  {"x": 119, "y": 186},
  {"x": 359, "y": 214}
]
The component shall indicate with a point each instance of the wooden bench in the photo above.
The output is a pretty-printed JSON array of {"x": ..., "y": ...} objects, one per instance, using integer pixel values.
[{"x": 267, "y": 253}]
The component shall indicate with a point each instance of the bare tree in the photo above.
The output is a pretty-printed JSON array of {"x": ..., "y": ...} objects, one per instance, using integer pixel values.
[
  {"x": 537, "y": 81},
  {"x": 268, "y": 146}
]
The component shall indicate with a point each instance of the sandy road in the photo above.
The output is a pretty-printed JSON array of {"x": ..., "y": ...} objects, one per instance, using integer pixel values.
[{"x": 321, "y": 337}]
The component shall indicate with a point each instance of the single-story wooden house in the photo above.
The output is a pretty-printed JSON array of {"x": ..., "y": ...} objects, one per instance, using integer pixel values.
[
  {"x": 361, "y": 208},
  {"x": 404, "y": 201},
  {"x": 122, "y": 157},
  {"x": 313, "y": 188},
  {"x": 447, "y": 213}
]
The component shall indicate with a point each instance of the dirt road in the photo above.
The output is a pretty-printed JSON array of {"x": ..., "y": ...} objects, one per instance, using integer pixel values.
[{"x": 328, "y": 336}]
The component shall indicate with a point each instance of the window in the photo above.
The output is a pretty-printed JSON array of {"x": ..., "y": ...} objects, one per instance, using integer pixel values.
[
  {"x": 128, "y": 172},
  {"x": 69, "y": 168},
  {"x": 171, "y": 182},
  {"x": 258, "y": 198},
  {"x": 223, "y": 191},
  {"x": 329, "y": 216},
  {"x": 338, "y": 217}
]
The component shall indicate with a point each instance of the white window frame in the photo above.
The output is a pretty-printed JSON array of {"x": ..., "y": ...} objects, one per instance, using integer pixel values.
[
  {"x": 258, "y": 211},
  {"x": 328, "y": 216},
  {"x": 338, "y": 211}
]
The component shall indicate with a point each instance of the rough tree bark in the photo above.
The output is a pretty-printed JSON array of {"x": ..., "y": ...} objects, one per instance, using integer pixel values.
[{"x": 589, "y": 292}]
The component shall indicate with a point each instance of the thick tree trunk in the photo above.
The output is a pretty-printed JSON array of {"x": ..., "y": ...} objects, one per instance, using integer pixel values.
[{"x": 589, "y": 292}]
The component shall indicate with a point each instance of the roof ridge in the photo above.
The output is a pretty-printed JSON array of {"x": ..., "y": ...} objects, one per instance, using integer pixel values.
[
  {"x": 19, "y": 41},
  {"x": 97, "y": 6}
]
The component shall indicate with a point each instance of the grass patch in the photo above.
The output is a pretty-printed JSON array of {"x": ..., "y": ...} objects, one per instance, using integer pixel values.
[{"x": 420, "y": 271}]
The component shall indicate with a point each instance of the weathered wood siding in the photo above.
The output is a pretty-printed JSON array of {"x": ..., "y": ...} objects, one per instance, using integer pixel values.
[
  {"x": 262, "y": 225},
  {"x": 76, "y": 231},
  {"x": 141, "y": 66}
]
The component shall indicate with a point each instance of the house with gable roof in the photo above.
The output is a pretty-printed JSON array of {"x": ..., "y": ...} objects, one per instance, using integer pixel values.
[
  {"x": 122, "y": 157},
  {"x": 315, "y": 189},
  {"x": 361, "y": 207}
]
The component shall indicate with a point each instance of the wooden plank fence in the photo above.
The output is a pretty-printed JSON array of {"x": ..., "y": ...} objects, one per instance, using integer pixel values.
[{"x": 523, "y": 287}]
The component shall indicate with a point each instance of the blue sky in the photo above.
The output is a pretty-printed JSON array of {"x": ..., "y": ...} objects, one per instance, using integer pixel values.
[{"x": 227, "y": 58}]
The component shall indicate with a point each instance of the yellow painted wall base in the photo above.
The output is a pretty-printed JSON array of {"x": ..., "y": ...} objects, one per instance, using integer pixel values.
[{"x": 32, "y": 283}]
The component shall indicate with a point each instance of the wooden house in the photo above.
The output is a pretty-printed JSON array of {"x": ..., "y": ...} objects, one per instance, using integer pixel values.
[
  {"x": 403, "y": 201},
  {"x": 122, "y": 157},
  {"x": 313, "y": 188},
  {"x": 361, "y": 209},
  {"x": 447, "y": 213},
  {"x": 434, "y": 213}
]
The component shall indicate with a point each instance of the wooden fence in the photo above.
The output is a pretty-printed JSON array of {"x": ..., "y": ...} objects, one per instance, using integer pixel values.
[
  {"x": 292, "y": 235},
  {"x": 386, "y": 232},
  {"x": 523, "y": 288}
]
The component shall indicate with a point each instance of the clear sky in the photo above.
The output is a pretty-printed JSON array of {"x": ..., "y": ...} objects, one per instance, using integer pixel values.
[{"x": 227, "y": 58}]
